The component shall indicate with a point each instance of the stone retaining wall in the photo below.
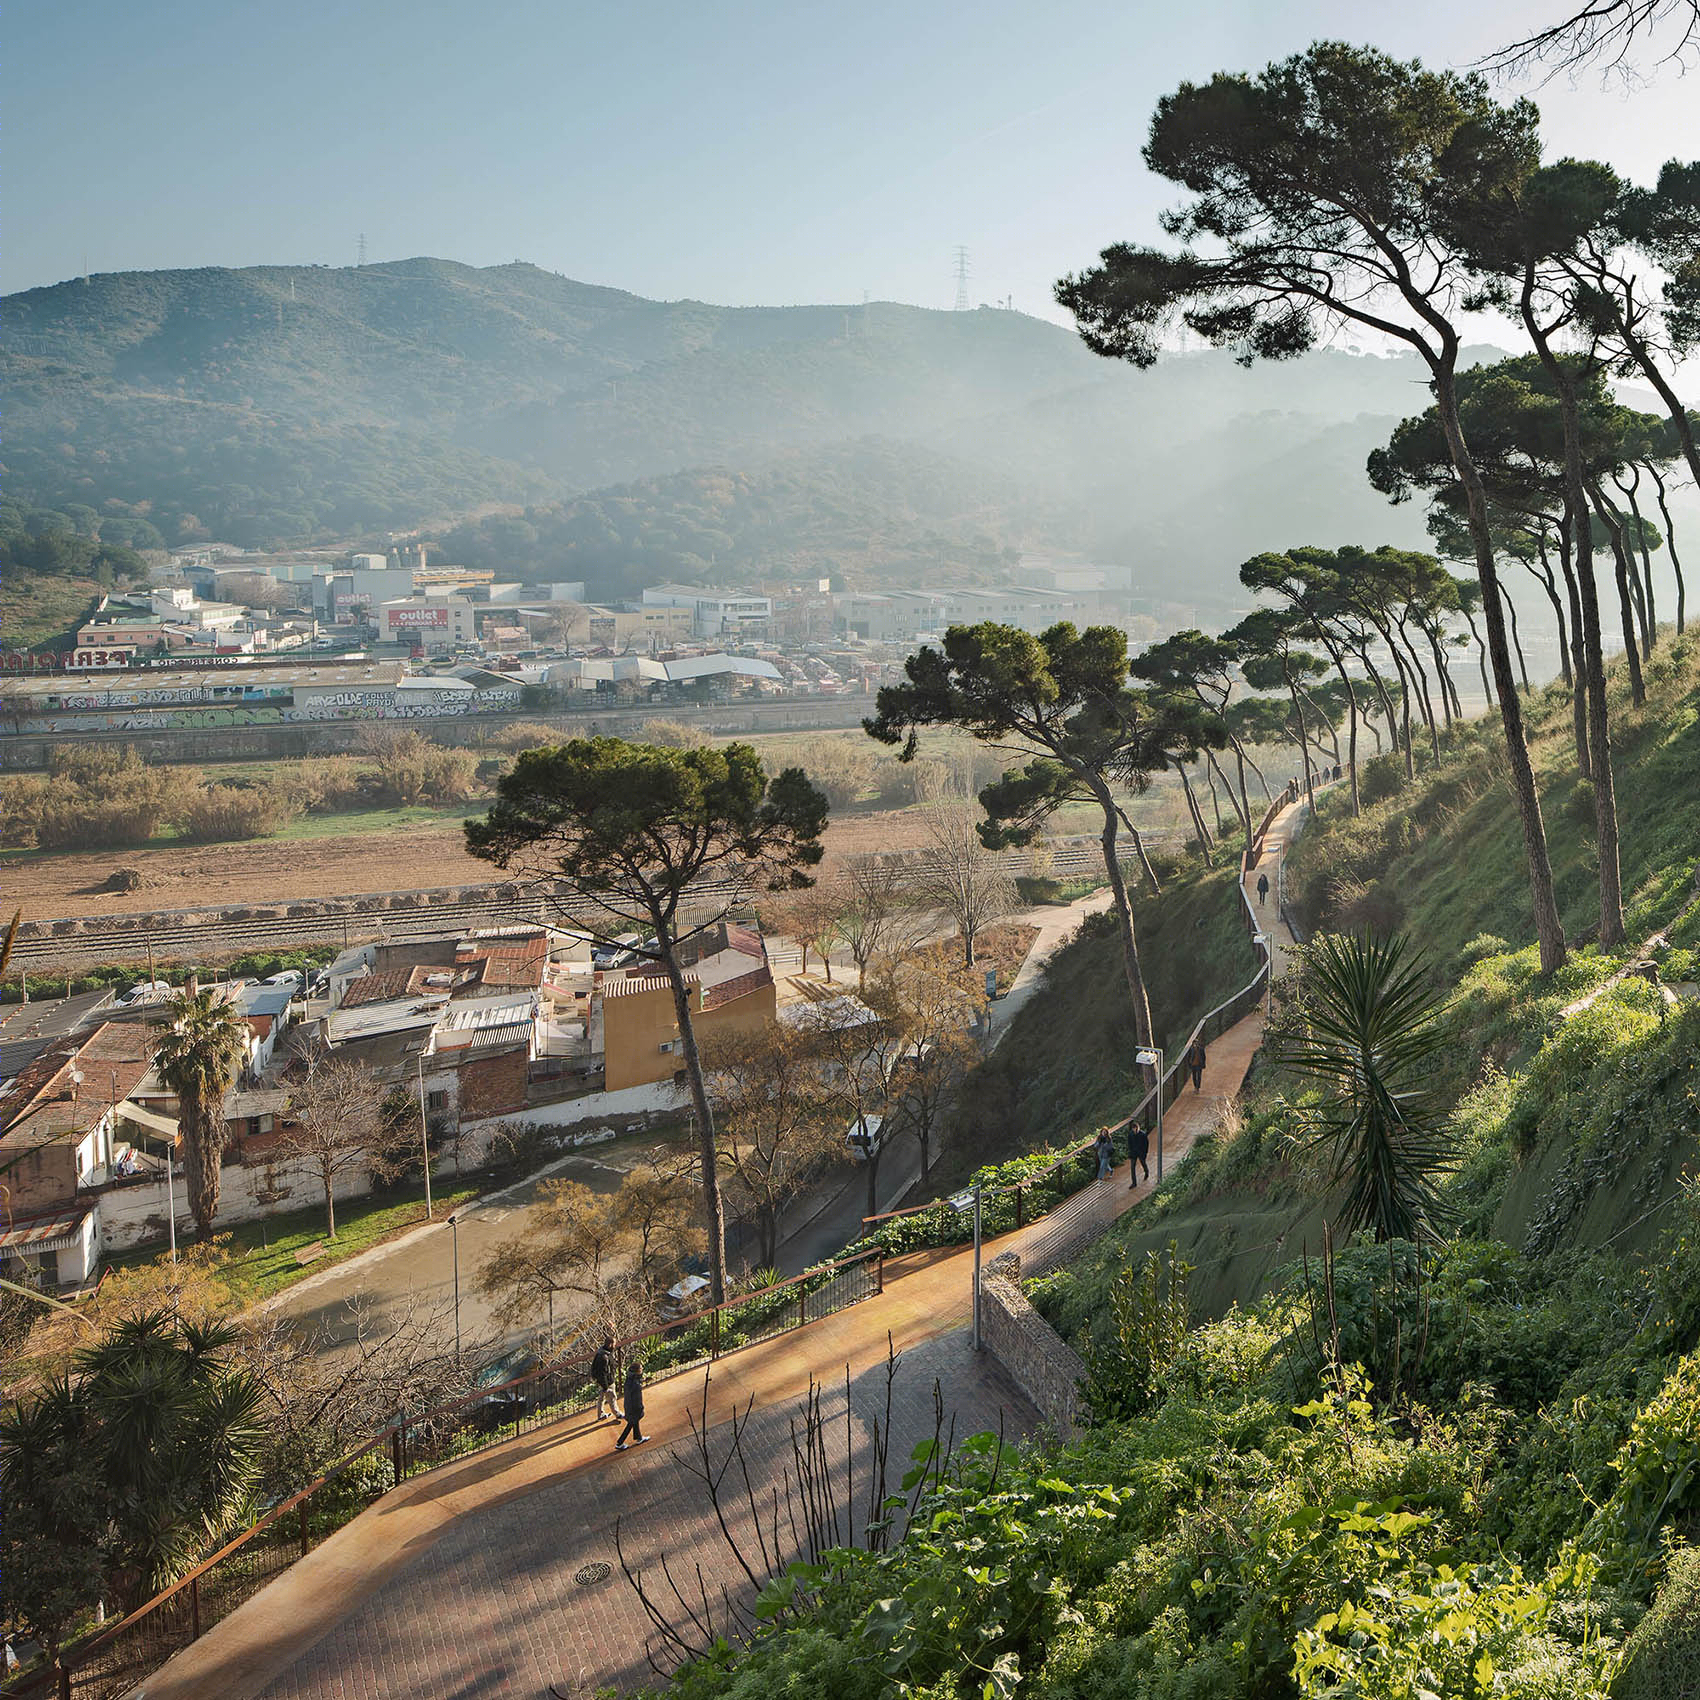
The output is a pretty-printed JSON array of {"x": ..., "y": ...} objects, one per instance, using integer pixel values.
[{"x": 1040, "y": 1362}]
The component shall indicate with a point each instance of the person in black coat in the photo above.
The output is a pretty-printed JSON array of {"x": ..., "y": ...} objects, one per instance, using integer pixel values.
[
  {"x": 1195, "y": 1062},
  {"x": 634, "y": 1406},
  {"x": 602, "y": 1373},
  {"x": 1138, "y": 1150}
]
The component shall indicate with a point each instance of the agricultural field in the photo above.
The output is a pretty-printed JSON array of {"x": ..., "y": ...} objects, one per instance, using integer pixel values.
[{"x": 347, "y": 825}]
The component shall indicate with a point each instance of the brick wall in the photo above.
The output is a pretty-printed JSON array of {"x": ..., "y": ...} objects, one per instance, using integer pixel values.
[
  {"x": 1039, "y": 1361},
  {"x": 491, "y": 1085}
]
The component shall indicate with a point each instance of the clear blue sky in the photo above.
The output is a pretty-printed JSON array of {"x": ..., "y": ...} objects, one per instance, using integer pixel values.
[{"x": 732, "y": 150}]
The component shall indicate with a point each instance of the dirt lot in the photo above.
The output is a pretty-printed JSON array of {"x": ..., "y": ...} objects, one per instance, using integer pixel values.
[{"x": 50, "y": 887}]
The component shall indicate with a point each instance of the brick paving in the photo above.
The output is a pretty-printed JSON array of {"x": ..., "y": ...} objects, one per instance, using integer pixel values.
[
  {"x": 492, "y": 1608},
  {"x": 460, "y": 1586}
]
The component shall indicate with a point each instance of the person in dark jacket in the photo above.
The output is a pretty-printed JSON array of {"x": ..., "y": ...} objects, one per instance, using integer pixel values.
[
  {"x": 634, "y": 1406},
  {"x": 1104, "y": 1148},
  {"x": 602, "y": 1373},
  {"x": 1195, "y": 1061},
  {"x": 1138, "y": 1149},
  {"x": 1263, "y": 888}
]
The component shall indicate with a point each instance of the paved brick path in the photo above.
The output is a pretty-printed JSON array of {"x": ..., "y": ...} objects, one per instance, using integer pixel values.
[
  {"x": 459, "y": 1585},
  {"x": 491, "y": 1608}
]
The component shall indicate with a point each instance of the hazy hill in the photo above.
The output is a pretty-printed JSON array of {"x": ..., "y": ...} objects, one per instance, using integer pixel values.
[{"x": 278, "y": 403}]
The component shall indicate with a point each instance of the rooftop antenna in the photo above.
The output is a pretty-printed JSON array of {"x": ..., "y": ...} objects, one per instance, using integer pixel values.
[
  {"x": 961, "y": 280},
  {"x": 362, "y": 250}
]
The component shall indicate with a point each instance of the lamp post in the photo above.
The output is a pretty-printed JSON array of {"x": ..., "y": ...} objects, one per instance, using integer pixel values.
[
  {"x": 424, "y": 1137},
  {"x": 977, "y": 1220},
  {"x": 454, "y": 1229},
  {"x": 1154, "y": 1059}
]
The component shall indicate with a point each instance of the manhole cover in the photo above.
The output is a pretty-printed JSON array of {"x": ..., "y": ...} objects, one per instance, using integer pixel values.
[{"x": 587, "y": 1574}]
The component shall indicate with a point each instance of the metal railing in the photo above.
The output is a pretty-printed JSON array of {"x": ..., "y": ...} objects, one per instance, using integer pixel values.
[{"x": 112, "y": 1660}]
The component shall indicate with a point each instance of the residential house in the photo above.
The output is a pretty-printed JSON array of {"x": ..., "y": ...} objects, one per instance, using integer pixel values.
[{"x": 731, "y": 988}]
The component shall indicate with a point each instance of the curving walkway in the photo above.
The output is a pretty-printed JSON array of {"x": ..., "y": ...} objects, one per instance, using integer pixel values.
[{"x": 460, "y": 1584}]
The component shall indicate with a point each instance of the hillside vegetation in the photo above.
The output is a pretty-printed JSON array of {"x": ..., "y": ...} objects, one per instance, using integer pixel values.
[{"x": 1473, "y": 1473}]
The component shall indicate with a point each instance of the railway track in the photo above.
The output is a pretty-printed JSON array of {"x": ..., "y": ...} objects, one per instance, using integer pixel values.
[{"x": 212, "y": 935}]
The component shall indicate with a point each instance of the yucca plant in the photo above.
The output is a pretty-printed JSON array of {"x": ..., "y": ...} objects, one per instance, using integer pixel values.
[{"x": 1370, "y": 1036}]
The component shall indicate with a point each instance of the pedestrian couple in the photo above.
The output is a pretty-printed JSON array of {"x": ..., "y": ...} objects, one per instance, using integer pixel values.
[
  {"x": 602, "y": 1372},
  {"x": 1138, "y": 1150}
]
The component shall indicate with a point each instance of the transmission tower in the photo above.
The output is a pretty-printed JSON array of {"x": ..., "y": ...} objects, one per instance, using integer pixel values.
[
  {"x": 962, "y": 280},
  {"x": 361, "y": 260}
]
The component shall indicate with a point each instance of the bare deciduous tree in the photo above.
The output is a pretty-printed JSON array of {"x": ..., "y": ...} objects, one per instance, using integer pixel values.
[
  {"x": 960, "y": 876},
  {"x": 611, "y": 1252},
  {"x": 939, "y": 1021},
  {"x": 776, "y": 1122},
  {"x": 877, "y": 918},
  {"x": 335, "y": 1123}
]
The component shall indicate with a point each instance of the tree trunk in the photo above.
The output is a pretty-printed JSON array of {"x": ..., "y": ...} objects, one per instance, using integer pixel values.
[
  {"x": 1592, "y": 664},
  {"x": 1549, "y": 583},
  {"x": 713, "y": 1210},
  {"x": 1481, "y": 659},
  {"x": 1448, "y": 696},
  {"x": 1579, "y": 650},
  {"x": 203, "y": 1154},
  {"x": 1516, "y": 639},
  {"x": 1427, "y": 701},
  {"x": 1241, "y": 801},
  {"x": 873, "y": 1176},
  {"x": 1197, "y": 818},
  {"x": 1304, "y": 742},
  {"x": 1670, "y": 549},
  {"x": 1124, "y": 918},
  {"x": 1403, "y": 731},
  {"x": 1650, "y": 613},
  {"x": 1548, "y": 928},
  {"x": 1215, "y": 798},
  {"x": 1625, "y": 610},
  {"x": 1339, "y": 661},
  {"x": 330, "y": 1200}
]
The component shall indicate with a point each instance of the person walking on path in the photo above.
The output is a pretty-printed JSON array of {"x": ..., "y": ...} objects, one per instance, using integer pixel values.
[
  {"x": 602, "y": 1373},
  {"x": 1195, "y": 1061},
  {"x": 1263, "y": 888},
  {"x": 634, "y": 1406},
  {"x": 1138, "y": 1150},
  {"x": 1106, "y": 1153}
]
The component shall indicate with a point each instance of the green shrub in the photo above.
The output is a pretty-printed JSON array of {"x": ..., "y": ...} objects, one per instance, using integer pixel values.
[
  {"x": 219, "y": 814},
  {"x": 1661, "y": 1659}
]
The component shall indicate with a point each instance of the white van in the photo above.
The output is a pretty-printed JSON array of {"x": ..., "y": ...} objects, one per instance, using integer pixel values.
[{"x": 863, "y": 1138}]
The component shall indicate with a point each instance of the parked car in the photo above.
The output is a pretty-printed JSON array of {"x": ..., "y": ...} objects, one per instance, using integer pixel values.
[
  {"x": 504, "y": 1406},
  {"x": 683, "y": 1297},
  {"x": 863, "y": 1138}
]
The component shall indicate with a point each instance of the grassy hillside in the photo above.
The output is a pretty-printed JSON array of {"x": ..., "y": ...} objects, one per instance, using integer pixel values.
[
  {"x": 1573, "y": 1132},
  {"x": 1477, "y": 1475},
  {"x": 1067, "y": 1062}
]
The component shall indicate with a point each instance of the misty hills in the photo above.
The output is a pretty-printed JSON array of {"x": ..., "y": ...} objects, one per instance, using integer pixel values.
[{"x": 274, "y": 404}]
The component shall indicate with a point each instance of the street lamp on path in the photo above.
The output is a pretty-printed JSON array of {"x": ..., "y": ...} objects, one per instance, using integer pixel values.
[
  {"x": 454, "y": 1229},
  {"x": 1154, "y": 1059}
]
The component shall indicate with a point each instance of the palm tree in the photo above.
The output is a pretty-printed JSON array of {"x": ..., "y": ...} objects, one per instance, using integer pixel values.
[
  {"x": 121, "y": 1476},
  {"x": 1370, "y": 1037},
  {"x": 197, "y": 1058},
  {"x": 177, "y": 1434}
]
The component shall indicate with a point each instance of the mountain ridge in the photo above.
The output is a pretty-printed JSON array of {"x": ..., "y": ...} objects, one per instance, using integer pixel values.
[{"x": 279, "y": 404}]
